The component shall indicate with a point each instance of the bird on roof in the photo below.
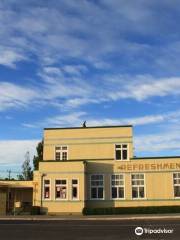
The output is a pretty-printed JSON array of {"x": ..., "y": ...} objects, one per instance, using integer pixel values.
[{"x": 84, "y": 124}]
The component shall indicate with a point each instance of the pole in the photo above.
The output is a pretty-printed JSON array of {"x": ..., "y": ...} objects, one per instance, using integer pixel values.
[
  {"x": 42, "y": 190},
  {"x": 9, "y": 174},
  {"x": 43, "y": 175}
]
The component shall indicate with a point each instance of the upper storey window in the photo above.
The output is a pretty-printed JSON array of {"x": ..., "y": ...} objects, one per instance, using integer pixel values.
[
  {"x": 61, "y": 153},
  {"x": 121, "y": 151}
]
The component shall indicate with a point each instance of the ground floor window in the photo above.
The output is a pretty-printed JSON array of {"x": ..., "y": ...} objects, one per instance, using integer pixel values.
[
  {"x": 176, "y": 181},
  {"x": 138, "y": 189},
  {"x": 117, "y": 186},
  {"x": 97, "y": 186},
  {"x": 46, "y": 189},
  {"x": 61, "y": 189},
  {"x": 75, "y": 189}
]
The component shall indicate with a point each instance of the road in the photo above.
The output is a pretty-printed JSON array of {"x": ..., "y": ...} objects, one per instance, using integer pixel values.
[{"x": 87, "y": 229}]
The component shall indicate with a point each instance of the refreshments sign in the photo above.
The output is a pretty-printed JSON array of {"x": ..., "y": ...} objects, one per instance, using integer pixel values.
[{"x": 149, "y": 166}]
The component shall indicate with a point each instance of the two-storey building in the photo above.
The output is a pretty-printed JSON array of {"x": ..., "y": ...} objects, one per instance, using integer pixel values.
[{"x": 95, "y": 167}]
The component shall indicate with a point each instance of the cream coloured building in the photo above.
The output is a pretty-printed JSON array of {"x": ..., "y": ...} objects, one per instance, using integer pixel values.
[{"x": 95, "y": 167}]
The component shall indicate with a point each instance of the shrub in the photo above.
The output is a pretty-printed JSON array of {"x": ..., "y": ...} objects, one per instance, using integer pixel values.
[
  {"x": 35, "y": 210},
  {"x": 131, "y": 210}
]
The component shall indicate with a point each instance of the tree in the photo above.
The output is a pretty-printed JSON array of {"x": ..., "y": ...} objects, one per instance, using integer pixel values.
[
  {"x": 27, "y": 173},
  {"x": 39, "y": 156}
]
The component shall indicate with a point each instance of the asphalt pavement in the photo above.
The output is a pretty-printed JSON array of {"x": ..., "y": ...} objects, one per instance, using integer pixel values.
[{"x": 90, "y": 229}]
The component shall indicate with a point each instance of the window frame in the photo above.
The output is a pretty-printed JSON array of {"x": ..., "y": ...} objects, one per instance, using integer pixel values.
[
  {"x": 121, "y": 152},
  {"x": 138, "y": 198},
  {"x": 67, "y": 193},
  {"x": 61, "y": 151},
  {"x": 175, "y": 185},
  {"x": 111, "y": 198},
  {"x": 103, "y": 186},
  {"x": 75, "y": 199},
  {"x": 50, "y": 189}
]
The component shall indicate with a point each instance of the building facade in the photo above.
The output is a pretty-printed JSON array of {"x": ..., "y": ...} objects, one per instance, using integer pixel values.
[{"x": 95, "y": 167}]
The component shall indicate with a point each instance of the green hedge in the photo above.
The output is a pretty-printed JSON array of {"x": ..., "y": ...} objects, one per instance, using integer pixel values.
[
  {"x": 35, "y": 210},
  {"x": 131, "y": 210}
]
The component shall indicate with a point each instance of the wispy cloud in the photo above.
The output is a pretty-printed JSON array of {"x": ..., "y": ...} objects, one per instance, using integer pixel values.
[
  {"x": 82, "y": 35},
  {"x": 66, "y": 120},
  {"x": 75, "y": 69},
  {"x": 65, "y": 60},
  {"x": 158, "y": 143},
  {"x": 143, "y": 120},
  {"x": 70, "y": 119},
  {"x": 113, "y": 88},
  {"x": 72, "y": 92},
  {"x": 9, "y": 57},
  {"x": 142, "y": 87},
  {"x": 153, "y": 87},
  {"x": 76, "y": 118},
  {"x": 16, "y": 150},
  {"x": 14, "y": 96},
  {"x": 67, "y": 53}
]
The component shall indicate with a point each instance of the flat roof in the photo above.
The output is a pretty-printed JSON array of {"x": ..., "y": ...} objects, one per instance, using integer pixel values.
[
  {"x": 117, "y": 126},
  {"x": 160, "y": 157}
]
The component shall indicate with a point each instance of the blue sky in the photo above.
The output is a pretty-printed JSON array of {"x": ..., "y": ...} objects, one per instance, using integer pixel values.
[{"x": 109, "y": 62}]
